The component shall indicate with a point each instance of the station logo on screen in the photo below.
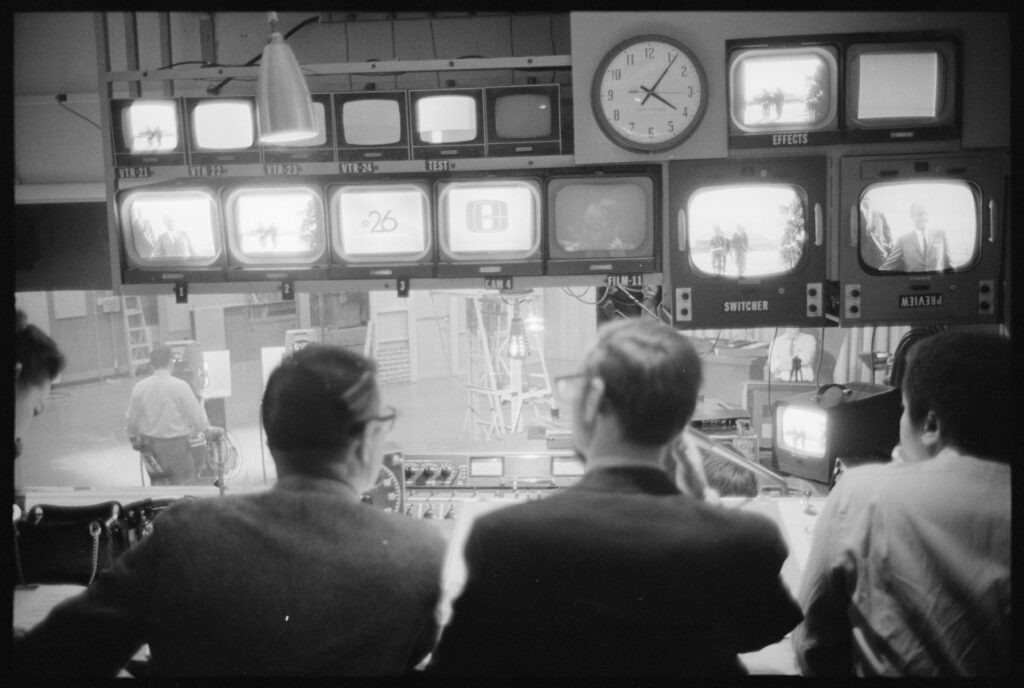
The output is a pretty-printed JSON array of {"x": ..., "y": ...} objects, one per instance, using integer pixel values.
[{"x": 486, "y": 217}]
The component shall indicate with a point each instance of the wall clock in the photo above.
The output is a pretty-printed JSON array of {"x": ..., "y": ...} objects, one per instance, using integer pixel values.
[{"x": 649, "y": 93}]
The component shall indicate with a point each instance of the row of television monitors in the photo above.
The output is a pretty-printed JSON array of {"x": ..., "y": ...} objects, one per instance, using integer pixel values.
[
  {"x": 917, "y": 237},
  {"x": 366, "y": 125},
  {"x": 847, "y": 87}
]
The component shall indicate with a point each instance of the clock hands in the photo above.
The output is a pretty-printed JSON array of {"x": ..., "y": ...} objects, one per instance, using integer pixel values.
[{"x": 651, "y": 91}]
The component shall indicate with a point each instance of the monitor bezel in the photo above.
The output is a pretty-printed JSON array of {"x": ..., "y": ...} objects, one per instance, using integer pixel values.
[
  {"x": 355, "y": 152},
  {"x": 124, "y": 157},
  {"x": 539, "y": 145},
  {"x": 474, "y": 148},
  {"x": 199, "y": 156}
]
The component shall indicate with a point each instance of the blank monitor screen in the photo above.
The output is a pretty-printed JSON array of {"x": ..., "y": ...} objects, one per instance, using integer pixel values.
[
  {"x": 223, "y": 124},
  {"x": 371, "y": 122},
  {"x": 382, "y": 221},
  {"x": 446, "y": 119},
  {"x": 893, "y": 85},
  {"x": 150, "y": 126},
  {"x": 522, "y": 116}
]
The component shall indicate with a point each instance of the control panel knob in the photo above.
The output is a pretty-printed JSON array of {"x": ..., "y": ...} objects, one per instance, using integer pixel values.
[
  {"x": 445, "y": 472},
  {"x": 450, "y": 513},
  {"x": 409, "y": 472},
  {"x": 429, "y": 513},
  {"x": 428, "y": 472}
]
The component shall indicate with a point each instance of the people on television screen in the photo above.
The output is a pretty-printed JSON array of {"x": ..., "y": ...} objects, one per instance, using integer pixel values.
[
  {"x": 173, "y": 242},
  {"x": 719, "y": 251},
  {"x": 922, "y": 249},
  {"x": 739, "y": 244},
  {"x": 793, "y": 355},
  {"x": 876, "y": 237}
]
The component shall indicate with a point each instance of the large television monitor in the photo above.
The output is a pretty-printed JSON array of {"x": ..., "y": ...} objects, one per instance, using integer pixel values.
[
  {"x": 523, "y": 120},
  {"x": 147, "y": 131},
  {"x": 222, "y": 130},
  {"x": 899, "y": 88},
  {"x": 922, "y": 238},
  {"x": 857, "y": 423},
  {"x": 783, "y": 92},
  {"x": 170, "y": 234},
  {"x": 381, "y": 229},
  {"x": 320, "y": 148},
  {"x": 604, "y": 221},
  {"x": 747, "y": 246},
  {"x": 447, "y": 123},
  {"x": 372, "y": 125},
  {"x": 489, "y": 227},
  {"x": 275, "y": 231}
]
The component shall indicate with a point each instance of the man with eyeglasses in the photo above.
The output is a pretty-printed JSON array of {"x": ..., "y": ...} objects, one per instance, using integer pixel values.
[
  {"x": 302, "y": 579},
  {"x": 620, "y": 575}
]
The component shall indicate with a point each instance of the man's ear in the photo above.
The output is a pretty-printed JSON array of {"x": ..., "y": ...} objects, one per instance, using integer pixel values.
[
  {"x": 593, "y": 393},
  {"x": 17, "y": 370},
  {"x": 931, "y": 433}
]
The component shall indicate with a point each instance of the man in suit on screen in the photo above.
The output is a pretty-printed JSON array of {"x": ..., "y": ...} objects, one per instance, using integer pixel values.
[{"x": 922, "y": 249}]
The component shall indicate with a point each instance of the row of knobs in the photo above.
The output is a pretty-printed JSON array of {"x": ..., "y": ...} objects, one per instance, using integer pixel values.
[{"x": 428, "y": 472}]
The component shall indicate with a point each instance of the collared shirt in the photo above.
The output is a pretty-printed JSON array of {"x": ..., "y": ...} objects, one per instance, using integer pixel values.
[
  {"x": 164, "y": 406},
  {"x": 909, "y": 572}
]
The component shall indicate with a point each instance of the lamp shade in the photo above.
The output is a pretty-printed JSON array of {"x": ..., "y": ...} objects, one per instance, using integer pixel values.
[
  {"x": 518, "y": 346},
  {"x": 284, "y": 109}
]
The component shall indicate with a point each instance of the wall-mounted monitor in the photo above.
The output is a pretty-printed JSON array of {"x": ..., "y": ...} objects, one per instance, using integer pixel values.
[
  {"x": 320, "y": 148},
  {"x": 170, "y": 234},
  {"x": 922, "y": 238},
  {"x": 747, "y": 245},
  {"x": 899, "y": 89},
  {"x": 782, "y": 92},
  {"x": 447, "y": 123},
  {"x": 523, "y": 120},
  {"x": 372, "y": 125},
  {"x": 275, "y": 232},
  {"x": 604, "y": 221},
  {"x": 222, "y": 130},
  {"x": 381, "y": 230},
  {"x": 489, "y": 227},
  {"x": 147, "y": 131}
]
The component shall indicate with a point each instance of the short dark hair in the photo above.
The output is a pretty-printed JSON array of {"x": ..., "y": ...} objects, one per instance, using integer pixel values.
[
  {"x": 319, "y": 398},
  {"x": 728, "y": 479},
  {"x": 40, "y": 358},
  {"x": 652, "y": 375},
  {"x": 160, "y": 356},
  {"x": 965, "y": 378}
]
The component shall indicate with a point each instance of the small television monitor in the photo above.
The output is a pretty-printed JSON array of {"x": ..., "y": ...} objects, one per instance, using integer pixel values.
[
  {"x": 782, "y": 93},
  {"x": 489, "y": 227},
  {"x": 447, "y": 123},
  {"x": 759, "y": 395},
  {"x": 147, "y": 131},
  {"x": 856, "y": 423},
  {"x": 898, "y": 89},
  {"x": 275, "y": 232},
  {"x": 922, "y": 238},
  {"x": 222, "y": 130},
  {"x": 523, "y": 120},
  {"x": 320, "y": 148},
  {"x": 381, "y": 230},
  {"x": 748, "y": 247},
  {"x": 372, "y": 125},
  {"x": 170, "y": 234},
  {"x": 604, "y": 221}
]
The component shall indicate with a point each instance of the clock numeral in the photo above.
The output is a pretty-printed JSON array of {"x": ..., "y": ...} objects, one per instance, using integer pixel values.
[
  {"x": 689, "y": 91},
  {"x": 686, "y": 112},
  {"x": 629, "y": 59},
  {"x": 671, "y": 125},
  {"x": 648, "y": 53},
  {"x": 632, "y": 126},
  {"x": 650, "y": 132},
  {"x": 611, "y": 94},
  {"x": 670, "y": 56},
  {"x": 616, "y": 74},
  {"x": 685, "y": 68},
  {"x": 615, "y": 115}
]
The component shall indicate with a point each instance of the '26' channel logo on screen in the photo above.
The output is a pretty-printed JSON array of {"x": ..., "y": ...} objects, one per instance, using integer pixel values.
[{"x": 487, "y": 217}]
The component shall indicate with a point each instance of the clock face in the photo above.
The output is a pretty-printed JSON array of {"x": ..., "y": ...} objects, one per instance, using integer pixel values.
[{"x": 649, "y": 93}]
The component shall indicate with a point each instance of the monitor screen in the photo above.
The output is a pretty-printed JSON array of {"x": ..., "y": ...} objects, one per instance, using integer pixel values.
[
  {"x": 897, "y": 85},
  {"x": 446, "y": 118},
  {"x": 802, "y": 430},
  {"x": 522, "y": 116},
  {"x": 149, "y": 126},
  {"x": 275, "y": 224},
  {"x": 489, "y": 219},
  {"x": 371, "y": 122},
  {"x": 600, "y": 217},
  {"x": 783, "y": 88},
  {"x": 746, "y": 230},
  {"x": 170, "y": 227},
  {"x": 381, "y": 222},
  {"x": 320, "y": 112},
  {"x": 223, "y": 124},
  {"x": 923, "y": 226}
]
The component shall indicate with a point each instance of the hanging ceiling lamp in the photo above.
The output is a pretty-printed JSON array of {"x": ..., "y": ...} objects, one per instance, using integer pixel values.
[
  {"x": 284, "y": 109},
  {"x": 518, "y": 346}
]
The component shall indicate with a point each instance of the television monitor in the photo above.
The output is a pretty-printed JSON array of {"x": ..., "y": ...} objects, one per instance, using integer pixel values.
[
  {"x": 922, "y": 238},
  {"x": 381, "y": 230},
  {"x": 782, "y": 92},
  {"x": 447, "y": 123},
  {"x": 222, "y": 130},
  {"x": 147, "y": 131},
  {"x": 489, "y": 227},
  {"x": 320, "y": 148},
  {"x": 898, "y": 89},
  {"x": 749, "y": 245},
  {"x": 857, "y": 423},
  {"x": 275, "y": 232},
  {"x": 523, "y": 120},
  {"x": 604, "y": 221},
  {"x": 372, "y": 125},
  {"x": 170, "y": 234},
  {"x": 759, "y": 395}
]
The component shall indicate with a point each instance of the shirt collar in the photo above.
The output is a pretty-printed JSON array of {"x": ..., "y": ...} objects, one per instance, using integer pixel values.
[
  {"x": 646, "y": 479},
  {"x": 305, "y": 483}
]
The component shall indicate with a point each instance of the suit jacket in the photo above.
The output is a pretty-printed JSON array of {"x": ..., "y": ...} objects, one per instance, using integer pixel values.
[
  {"x": 907, "y": 255},
  {"x": 301, "y": 579},
  {"x": 619, "y": 575}
]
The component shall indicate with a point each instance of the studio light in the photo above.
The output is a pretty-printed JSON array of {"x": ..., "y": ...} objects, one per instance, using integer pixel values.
[
  {"x": 518, "y": 346},
  {"x": 284, "y": 109}
]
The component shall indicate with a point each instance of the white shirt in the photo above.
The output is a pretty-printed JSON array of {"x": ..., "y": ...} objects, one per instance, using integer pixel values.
[
  {"x": 164, "y": 406},
  {"x": 909, "y": 572}
]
